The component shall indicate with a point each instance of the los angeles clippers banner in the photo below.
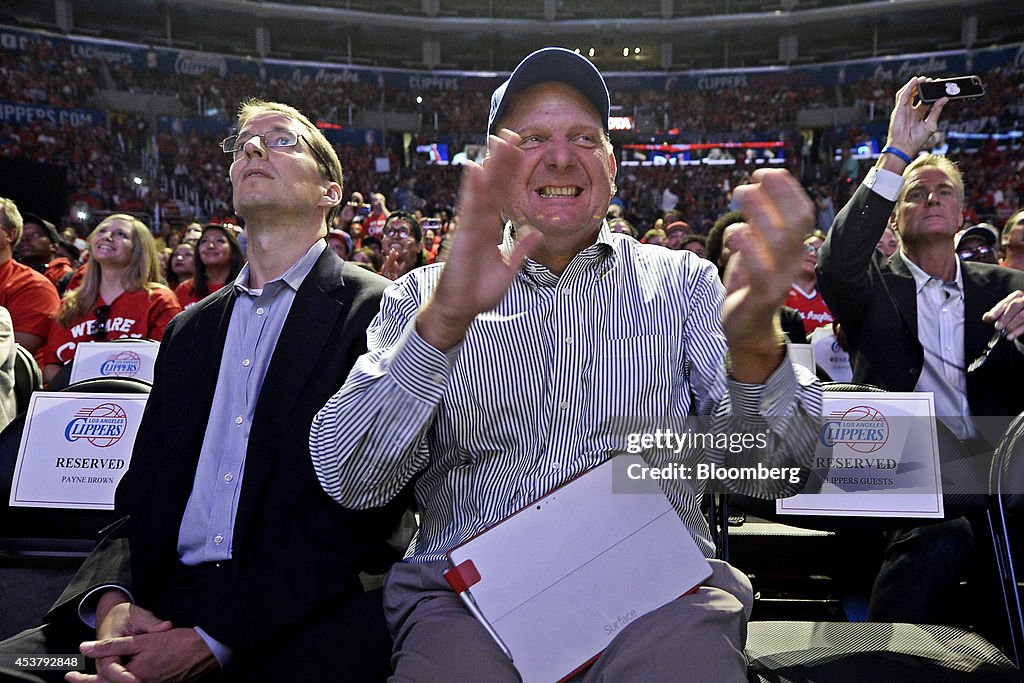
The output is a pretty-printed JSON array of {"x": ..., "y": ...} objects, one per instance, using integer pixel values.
[
  {"x": 74, "y": 449},
  {"x": 195, "y": 64},
  {"x": 877, "y": 456}
]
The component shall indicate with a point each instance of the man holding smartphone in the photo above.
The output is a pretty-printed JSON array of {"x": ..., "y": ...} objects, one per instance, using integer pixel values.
[{"x": 915, "y": 322}]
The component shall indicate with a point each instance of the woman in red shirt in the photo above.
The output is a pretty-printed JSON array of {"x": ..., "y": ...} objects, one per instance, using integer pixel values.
[
  {"x": 182, "y": 264},
  {"x": 120, "y": 294},
  {"x": 219, "y": 261}
]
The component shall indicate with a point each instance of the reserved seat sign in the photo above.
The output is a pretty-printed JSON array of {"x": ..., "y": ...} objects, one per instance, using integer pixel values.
[
  {"x": 133, "y": 359},
  {"x": 74, "y": 449},
  {"x": 877, "y": 456}
]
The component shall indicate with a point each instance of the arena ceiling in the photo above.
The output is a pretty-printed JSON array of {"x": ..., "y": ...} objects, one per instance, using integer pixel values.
[{"x": 493, "y": 35}]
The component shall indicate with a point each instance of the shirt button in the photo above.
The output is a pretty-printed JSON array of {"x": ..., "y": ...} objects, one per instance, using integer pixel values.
[
  {"x": 246, "y": 362},
  {"x": 238, "y": 420},
  {"x": 564, "y": 405},
  {"x": 218, "y": 539},
  {"x": 260, "y": 311},
  {"x": 556, "y": 465},
  {"x": 568, "y": 340},
  {"x": 228, "y": 477},
  {"x": 567, "y": 292}
]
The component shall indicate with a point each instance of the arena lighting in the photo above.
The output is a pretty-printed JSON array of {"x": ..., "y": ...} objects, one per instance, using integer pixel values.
[
  {"x": 620, "y": 123},
  {"x": 636, "y": 50},
  {"x": 591, "y": 52},
  {"x": 81, "y": 215},
  {"x": 625, "y": 52},
  {"x": 137, "y": 180},
  {"x": 419, "y": 99}
]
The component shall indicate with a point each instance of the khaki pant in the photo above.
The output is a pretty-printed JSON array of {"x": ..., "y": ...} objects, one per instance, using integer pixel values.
[{"x": 697, "y": 637}]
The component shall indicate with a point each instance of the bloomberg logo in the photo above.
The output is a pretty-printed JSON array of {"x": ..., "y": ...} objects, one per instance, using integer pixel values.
[
  {"x": 122, "y": 364},
  {"x": 102, "y": 426}
]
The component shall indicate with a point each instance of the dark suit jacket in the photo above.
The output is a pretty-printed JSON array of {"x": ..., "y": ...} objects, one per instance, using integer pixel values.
[
  {"x": 793, "y": 325},
  {"x": 875, "y": 301},
  {"x": 295, "y": 550}
]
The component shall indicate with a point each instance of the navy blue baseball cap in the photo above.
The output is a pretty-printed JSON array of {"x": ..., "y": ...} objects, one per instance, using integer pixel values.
[{"x": 552, "y": 64}]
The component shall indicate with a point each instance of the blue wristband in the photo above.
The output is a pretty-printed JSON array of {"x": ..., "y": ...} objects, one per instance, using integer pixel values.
[{"x": 897, "y": 153}]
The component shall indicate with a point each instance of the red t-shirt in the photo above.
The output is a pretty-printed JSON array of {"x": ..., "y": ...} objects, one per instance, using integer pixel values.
[
  {"x": 374, "y": 224},
  {"x": 142, "y": 314},
  {"x": 187, "y": 295},
  {"x": 811, "y": 308},
  {"x": 57, "y": 269},
  {"x": 76, "y": 279},
  {"x": 29, "y": 296}
]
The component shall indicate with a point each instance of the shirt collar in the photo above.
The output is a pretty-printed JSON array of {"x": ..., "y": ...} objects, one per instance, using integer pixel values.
[
  {"x": 292, "y": 277},
  {"x": 600, "y": 254},
  {"x": 922, "y": 278}
]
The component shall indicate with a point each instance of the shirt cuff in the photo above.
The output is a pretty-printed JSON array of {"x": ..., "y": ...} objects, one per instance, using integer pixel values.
[
  {"x": 221, "y": 651},
  {"x": 773, "y": 398},
  {"x": 91, "y": 600},
  {"x": 419, "y": 368},
  {"x": 884, "y": 183}
]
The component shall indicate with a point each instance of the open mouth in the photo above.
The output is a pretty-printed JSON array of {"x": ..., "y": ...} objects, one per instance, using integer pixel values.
[{"x": 557, "y": 191}]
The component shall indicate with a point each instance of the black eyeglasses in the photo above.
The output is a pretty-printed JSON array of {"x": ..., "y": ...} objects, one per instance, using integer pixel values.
[
  {"x": 400, "y": 231},
  {"x": 273, "y": 139},
  {"x": 969, "y": 253},
  {"x": 99, "y": 330}
]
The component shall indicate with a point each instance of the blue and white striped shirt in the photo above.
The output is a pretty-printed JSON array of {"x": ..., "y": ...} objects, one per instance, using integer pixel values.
[{"x": 546, "y": 386}]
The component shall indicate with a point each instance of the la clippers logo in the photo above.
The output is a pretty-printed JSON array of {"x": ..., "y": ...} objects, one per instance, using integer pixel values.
[
  {"x": 863, "y": 428},
  {"x": 123, "y": 364},
  {"x": 102, "y": 426}
]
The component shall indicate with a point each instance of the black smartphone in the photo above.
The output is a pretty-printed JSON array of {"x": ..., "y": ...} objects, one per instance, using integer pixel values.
[{"x": 959, "y": 88}]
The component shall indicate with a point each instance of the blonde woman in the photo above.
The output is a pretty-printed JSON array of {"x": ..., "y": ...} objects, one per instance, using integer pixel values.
[{"x": 120, "y": 294}]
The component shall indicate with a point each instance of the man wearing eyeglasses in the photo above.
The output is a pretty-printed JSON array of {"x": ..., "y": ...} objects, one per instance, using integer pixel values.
[
  {"x": 230, "y": 556},
  {"x": 977, "y": 244},
  {"x": 401, "y": 245},
  {"x": 915, "y": 322}
]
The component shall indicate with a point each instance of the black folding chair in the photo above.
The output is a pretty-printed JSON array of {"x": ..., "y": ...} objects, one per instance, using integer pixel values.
[
  {"x": 843, "y": 651},
  {"x": 41, "y": 548},
  {"x": 1006, "y": 484},
  {"x": 27, "y": 377}
]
